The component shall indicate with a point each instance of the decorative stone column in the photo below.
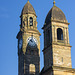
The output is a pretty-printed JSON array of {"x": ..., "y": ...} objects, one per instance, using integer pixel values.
[
  {"x": 52, "y": 33},
  {"x": 55, "y": 31},
  {"x": 24, "y": 42},
  {"x": 67, "y": 36}
]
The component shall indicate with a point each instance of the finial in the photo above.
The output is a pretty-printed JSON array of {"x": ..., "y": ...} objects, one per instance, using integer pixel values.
[
  {"x": 28, "y": 0},
  {"x": 54, "y": 2}
]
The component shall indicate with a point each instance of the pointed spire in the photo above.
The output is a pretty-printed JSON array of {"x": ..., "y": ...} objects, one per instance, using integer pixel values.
[
  {"x": 28, "y": 0},
  {"x": 54, "y": 2}
]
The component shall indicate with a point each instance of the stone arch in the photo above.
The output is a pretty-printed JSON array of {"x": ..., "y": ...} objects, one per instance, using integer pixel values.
[{"x": 59, "y": 34}]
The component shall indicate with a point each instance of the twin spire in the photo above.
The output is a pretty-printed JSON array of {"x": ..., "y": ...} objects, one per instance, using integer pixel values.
[{"x": 53, "y": 2}]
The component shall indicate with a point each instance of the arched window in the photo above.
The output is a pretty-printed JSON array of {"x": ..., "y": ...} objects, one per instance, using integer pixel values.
[
  {"x": 59, "y": 34},
  {"x": 31, "y": 21},
  {"x": 32, "y": 69}
]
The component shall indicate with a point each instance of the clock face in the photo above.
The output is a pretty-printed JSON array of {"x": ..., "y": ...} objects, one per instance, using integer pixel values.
[
  {"x": 20, "y": 43},
  {"x": 32, "y": 42}
]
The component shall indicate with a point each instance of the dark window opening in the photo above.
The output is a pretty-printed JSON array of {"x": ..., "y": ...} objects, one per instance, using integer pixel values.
[
  {"x": 59, "y": 34},
  {"x": 31, "y": 21}
]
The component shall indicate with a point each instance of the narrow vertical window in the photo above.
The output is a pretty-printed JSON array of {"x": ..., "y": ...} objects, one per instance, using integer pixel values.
[
  {"x": 32, "y": 69},
  {"x": 59, "y": 34},
  {"x": 31, "y": 21}
]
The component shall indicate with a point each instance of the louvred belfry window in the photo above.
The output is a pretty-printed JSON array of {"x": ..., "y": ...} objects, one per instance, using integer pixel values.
[{"x": 31, "y": 21}]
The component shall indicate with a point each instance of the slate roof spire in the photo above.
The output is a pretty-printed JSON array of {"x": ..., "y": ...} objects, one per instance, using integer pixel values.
[
  {"x": 28, "y": 9},
  {"x": 55, "y": 13}
]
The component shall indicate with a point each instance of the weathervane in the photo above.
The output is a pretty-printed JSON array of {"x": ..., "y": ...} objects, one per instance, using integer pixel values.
[{"x": 54, "y": 2}]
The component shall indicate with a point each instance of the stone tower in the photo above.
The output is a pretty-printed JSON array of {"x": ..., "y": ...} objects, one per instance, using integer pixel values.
[
  {"x": 57, "y": 49},
  {"x": 28, "y": 42}
]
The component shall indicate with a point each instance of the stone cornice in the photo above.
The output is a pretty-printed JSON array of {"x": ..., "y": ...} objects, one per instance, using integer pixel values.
[
  {"x": 61, "y": 44},
  {"x": 57, "y": 21},
  {"x": 60, "y": 21},
  {"x": 27, "y": 31},
  {"x": 57, "y": 68},
  {"x": 65, "y": 69}
]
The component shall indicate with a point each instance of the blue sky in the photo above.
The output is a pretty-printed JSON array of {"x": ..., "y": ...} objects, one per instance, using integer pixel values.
[{"x": 10, "y": 11}]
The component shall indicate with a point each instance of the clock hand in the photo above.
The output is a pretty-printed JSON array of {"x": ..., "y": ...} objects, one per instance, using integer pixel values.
[{"x": 31, "y": 40}]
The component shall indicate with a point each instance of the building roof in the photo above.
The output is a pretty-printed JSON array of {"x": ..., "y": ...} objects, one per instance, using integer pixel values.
[
  {"x": 28, "y": 9},
  {"x": 56, "y": 14}
]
